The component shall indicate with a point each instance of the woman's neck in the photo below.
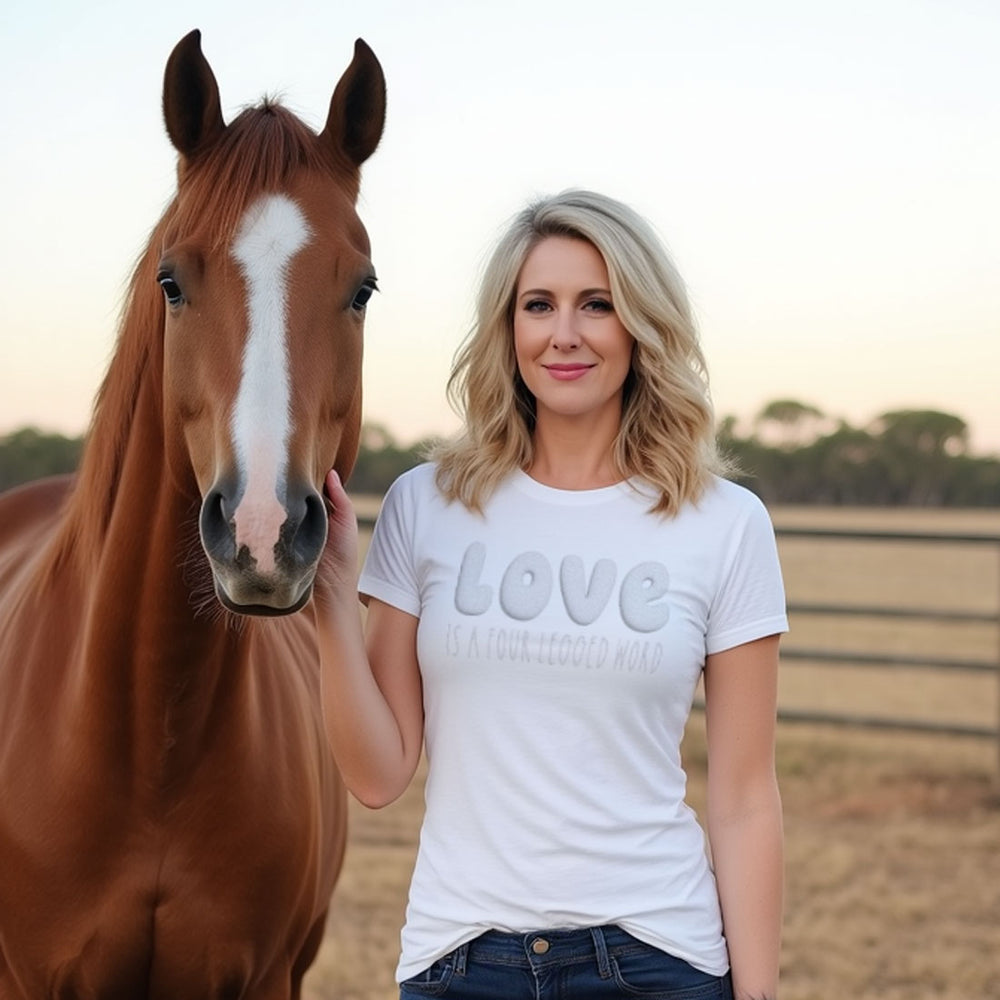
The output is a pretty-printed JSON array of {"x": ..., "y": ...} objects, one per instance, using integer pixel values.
[{"x": 574, "y": 455}]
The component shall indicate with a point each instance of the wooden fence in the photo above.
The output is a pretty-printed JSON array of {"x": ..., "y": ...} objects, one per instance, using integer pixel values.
[{"x": 864, "y": 658}]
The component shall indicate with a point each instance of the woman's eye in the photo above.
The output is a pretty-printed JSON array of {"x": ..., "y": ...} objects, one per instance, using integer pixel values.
[
  {"x": 536, "y": 305},
  {"x": 599, "y": 305},
  {"x": 363, "y": 294},
  {"x": 171, "y": 290}
]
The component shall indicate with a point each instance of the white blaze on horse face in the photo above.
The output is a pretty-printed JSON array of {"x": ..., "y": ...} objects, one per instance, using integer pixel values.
[{"x": 273, "y": 230}]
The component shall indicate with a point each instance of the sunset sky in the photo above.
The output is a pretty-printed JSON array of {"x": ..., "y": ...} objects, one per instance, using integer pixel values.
[{"x": 827, "y": 177}]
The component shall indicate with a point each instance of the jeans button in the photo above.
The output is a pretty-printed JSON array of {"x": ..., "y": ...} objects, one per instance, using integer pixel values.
[{"x": 539, "y": 946}]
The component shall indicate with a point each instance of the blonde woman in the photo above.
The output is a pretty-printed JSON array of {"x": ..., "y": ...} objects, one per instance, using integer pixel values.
[{"x": 542, "y": 600}]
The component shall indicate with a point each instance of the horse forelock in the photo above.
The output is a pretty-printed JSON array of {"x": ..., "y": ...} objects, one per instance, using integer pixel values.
[{"x": 259, "y": 152}]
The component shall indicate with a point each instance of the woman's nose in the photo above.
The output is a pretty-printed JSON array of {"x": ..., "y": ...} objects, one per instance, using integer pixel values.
[{"x": 566, "y": 335}]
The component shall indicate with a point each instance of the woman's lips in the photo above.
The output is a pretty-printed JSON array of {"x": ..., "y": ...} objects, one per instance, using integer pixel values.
[{"x": 566, "y": 373}]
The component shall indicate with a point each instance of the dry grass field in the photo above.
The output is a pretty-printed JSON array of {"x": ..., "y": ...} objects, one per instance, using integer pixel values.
[{"x": 893, "y": 839}]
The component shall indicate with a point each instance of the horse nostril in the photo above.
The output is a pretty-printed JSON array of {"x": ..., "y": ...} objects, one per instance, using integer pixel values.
[
  {"x": 310, "y": 534},
  {"x": 216, "y": 536}
]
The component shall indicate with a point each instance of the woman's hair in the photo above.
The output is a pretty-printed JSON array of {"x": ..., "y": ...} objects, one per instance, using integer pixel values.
[{"x": 667, "y": 432}]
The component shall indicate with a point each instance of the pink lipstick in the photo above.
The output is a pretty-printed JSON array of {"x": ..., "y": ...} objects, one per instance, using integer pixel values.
[{"x": 566, "y": 373}]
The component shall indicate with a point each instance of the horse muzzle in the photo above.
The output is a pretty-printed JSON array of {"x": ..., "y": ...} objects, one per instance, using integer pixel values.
[{"x": 263, "y": 555}]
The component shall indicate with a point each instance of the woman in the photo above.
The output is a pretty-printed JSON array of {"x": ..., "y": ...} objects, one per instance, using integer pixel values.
[{"x": 542, "y": 600}]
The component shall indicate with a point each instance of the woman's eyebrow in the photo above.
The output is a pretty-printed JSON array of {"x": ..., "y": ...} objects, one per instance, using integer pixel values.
[{"x": 583, "y": 293}]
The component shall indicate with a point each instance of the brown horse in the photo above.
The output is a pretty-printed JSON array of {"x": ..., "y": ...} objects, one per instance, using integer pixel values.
[{"x": 171, "y": 819}]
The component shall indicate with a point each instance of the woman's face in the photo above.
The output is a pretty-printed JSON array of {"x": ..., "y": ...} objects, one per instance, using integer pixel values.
[{"x": 572, "y": 350}]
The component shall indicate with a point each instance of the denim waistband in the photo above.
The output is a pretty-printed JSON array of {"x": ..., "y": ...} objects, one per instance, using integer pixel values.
[{"x": 537, "y": 949}]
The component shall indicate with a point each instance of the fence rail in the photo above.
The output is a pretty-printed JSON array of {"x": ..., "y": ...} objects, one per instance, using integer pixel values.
[{"x": 864, "y": 658}]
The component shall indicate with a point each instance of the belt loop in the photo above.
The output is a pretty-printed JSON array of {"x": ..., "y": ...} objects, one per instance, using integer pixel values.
[
  {"x": 461, "y": 955},
  {"x": 601, "y": 948}
]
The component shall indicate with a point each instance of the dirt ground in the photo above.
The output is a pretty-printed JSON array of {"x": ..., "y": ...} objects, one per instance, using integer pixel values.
[{"x": 893, "y": 867}]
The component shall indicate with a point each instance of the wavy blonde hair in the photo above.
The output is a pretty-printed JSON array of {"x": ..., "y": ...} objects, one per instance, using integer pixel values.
[{"x": 667, "y": 431}]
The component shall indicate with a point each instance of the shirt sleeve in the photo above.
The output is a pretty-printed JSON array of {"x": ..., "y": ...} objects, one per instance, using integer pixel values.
[
  {"x": 389, "y": 571},
  {"x": 750, "y": 601}
]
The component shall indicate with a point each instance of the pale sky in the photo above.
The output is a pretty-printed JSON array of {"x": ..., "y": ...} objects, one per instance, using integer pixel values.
[{"x": 826, "y": 175}]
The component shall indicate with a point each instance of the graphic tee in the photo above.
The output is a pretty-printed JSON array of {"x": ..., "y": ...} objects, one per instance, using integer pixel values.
[{"x": 561, "y": 637}]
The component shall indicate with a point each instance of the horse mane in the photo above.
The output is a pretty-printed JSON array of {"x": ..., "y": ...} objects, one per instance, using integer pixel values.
[{"x": 257, "y": 153}]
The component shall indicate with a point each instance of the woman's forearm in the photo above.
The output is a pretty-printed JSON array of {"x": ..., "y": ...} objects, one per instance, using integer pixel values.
[
  {"x": 361, "y": 728},
  {"x": 748, "y": 855}
]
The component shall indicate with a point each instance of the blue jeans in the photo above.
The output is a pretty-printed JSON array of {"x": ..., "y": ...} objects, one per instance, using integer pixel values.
[{"x": 602, "y": 963}]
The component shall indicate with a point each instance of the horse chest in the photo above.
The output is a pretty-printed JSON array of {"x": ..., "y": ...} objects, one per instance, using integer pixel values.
[
  {"x": 210, "y": 861},
  {"x": 209, "y": 900}
]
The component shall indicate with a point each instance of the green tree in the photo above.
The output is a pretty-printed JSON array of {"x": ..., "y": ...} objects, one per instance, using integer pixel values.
[
  {"x": 925, "y": 432},
  {"x": 381, "y": 459},
  {"x": 794, "y": 423},
  {"x": 916, "y": 449},
  {"x": 29, "y": 453},
  {"x": 842, "y": 467}
]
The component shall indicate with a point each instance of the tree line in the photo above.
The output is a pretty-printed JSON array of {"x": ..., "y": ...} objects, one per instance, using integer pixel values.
[
  {"x": 794, "y": 453},
  {"x": 791, "y": 452}
]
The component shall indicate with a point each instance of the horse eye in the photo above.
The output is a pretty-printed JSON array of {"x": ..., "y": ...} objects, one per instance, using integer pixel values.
[
  {"x": 171, "y": 290},
  {"x": 364, "y": 293}
]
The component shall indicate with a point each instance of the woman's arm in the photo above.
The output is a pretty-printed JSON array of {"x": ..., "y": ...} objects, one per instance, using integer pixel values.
[
  {"x": 370, "y": 682},
  {"x": 744, "y": 810}
]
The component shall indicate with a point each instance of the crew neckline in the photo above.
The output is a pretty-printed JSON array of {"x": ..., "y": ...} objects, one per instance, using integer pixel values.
[{"x": 553, "y": 494}]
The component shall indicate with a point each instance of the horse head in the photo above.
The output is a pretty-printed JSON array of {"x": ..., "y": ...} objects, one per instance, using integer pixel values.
[{"x": 265, "y": 271}]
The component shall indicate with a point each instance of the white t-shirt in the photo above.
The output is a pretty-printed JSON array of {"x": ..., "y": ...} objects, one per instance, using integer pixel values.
[{"x": 561, "y": 638}]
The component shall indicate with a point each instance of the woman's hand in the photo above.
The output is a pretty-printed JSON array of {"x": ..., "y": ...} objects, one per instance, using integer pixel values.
[{"x": 339, "y": 564}]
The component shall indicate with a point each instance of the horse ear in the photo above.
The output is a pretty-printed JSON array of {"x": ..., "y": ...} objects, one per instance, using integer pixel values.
[
  {"x": 357, "y": 109},
  {"x": 191, "y": 107}
]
